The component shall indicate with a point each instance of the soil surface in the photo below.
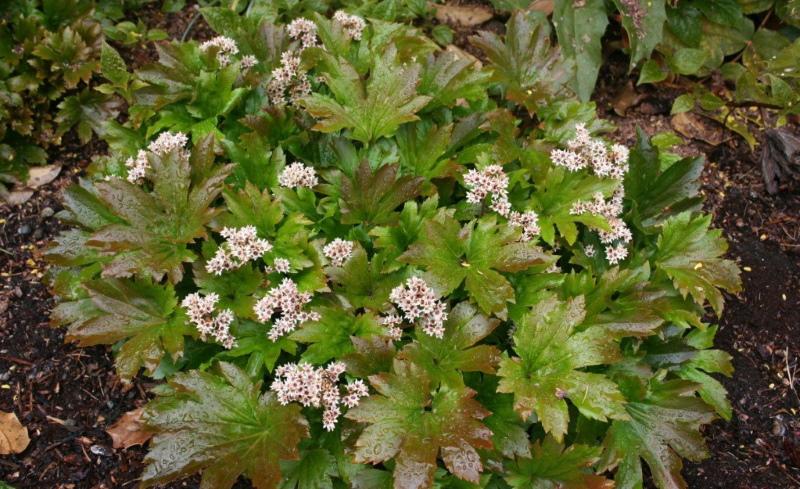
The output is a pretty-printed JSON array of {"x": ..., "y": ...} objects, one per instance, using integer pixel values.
[{"x": 67, "y": 397}]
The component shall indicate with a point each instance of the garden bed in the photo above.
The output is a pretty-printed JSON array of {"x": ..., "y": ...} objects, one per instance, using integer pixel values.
[{"x": 67, "y": 397}]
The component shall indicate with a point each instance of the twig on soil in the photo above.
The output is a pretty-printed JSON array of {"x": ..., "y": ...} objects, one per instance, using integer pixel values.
[{"x": 790, "y": 375}]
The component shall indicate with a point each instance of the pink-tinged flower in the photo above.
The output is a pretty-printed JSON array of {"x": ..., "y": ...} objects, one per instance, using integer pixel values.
[
  {"x": 419, "y": 302},
  {"x": 317, "y": 387},
  {"x": 352, "y": 25},
  {"x": 616, "y": 253},
  {"x": 528, "y": 221},
  {"x": 338, "y": 251},
  {"x": 226, "y": 47},
  {"x": 298, "y": 175},
  {"x": 242, "y": 245},
  {"x": 584, "y": 151},
  {"x": 392, "y": 322},
  {"x": 303, "y": 30},
  {"x": 288, "y": 301},
  {"x": 168, "y": 142},
  {"x": 201, "y": 313},
  {"x": 137, "y": 168},
  {"x": 248, "y": 62}
]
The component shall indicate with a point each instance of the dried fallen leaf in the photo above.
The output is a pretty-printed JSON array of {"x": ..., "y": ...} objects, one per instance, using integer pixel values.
[
  {"x": 13, "y": 436},
  {"x": 463, "y": 15},
  {"x": 18, "y": 197},
  {"x": 627, "y": 98},
  {"x": 697, "y": 127},
  {"x": 128, "y": 430},
  {"x": 42, "y": 175}
]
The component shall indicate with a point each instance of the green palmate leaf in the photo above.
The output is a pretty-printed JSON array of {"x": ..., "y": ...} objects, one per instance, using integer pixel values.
[
  {"x": 529, "y": 69},
  {"x": 580, "y": 29},
  {"x": 371, "y": 196},
  {"x": 222, "y": 425},
  {"x": 654, "y": 195},
  {"x": 445, "y": 358},
  {"x": 545, "y": 372},
  {"x": 371, "y": 109},
  {"x": 313, "y": 471},
  {"x": 448, "y": 77},
  {"x": 691, "y": 359},
  {"x": 330, "y": 337},
  {"x": 551, "y": 466},
  {"x": 415, "y": 425},
  {"x": 363, "y": 282},
  {"x": 474, "y": 254},
  {"x": 509, "y": 432},
  {"x": 691, "y": 255},
  {"x": 395, "y": 239},
  {"x": 142, "y": 314},
  {"x": 556, "y": 193},
  {"x": 663, "y": 427}
]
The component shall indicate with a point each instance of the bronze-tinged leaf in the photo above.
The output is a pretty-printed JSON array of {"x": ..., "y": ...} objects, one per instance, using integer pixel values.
[
  {"x": 128, "y": 430},
  {"x": 458, "y": 351},
  {"x": 223, "y": 425},
  {"x": 372, "y": 196},
  {"x": 413, "y": 424},
  {"x": 13, "y": 436}
]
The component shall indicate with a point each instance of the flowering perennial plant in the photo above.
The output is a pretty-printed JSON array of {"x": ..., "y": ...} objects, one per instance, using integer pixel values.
[{"x": 357, "y": 266}]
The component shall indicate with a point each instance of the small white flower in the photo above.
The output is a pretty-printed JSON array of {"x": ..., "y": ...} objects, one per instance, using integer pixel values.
[
  {"x": 298, "y": 175},
  {"x": 201, "y": 313},
  {"x": 287, "y": 300},
  {"x": 352, "y": 25},
  {"x": 226, "y": 47},
  {"x": 317, "y": 387},
  {"x": 419, "y": 302},
  {"x": 338, "y": 251},
  {"x": 304, "y": 30},
  {"x": 137, "y": 168}
]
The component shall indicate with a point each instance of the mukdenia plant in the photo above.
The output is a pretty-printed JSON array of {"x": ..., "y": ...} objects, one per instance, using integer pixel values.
[{"x": 354, "y": 265}]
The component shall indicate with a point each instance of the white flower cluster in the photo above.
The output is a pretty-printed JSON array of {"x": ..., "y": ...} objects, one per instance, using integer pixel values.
[
  {"x": 289, "y": 301},
  {"x": 305, "y": 31},
  {"x": 280, "y": 265},
  {"x": 165, "y": 143},
  {"x": 288, "y": 83},
  {"x": 352, "y": 25},
  {"x": 248, "y": 62},
  {"x": 317, "y": 387},
  {"x": 137, "y": 168},
  {"x": 419, "y": 302},
  {"x": 242, "y": 245},
  {"x": 392, "y": 322},
  {"x": 492, "y": 181},
  {"x": 528, "y": 221},
  {"x": 584, "y": 151},
  {"x": 298, "y": 175},
  {"x": 611, "y": 211},
  {"x": 201, "y": 313},
  {"x": 226, "y": 47},
  {"x": 168, "y": 142},
  {"x": 338, "y": 251}
]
